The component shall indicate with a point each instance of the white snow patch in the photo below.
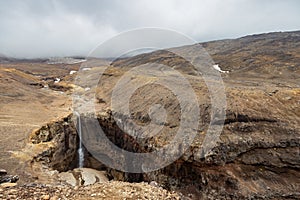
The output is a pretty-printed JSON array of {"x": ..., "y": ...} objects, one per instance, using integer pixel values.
[
  {"x": 79, "y": 61},
  {"x": 216, "y": 67},
  {"x": 57, "y": 80},
  {"x": 65, "y": 60},
  {"x": 72, "y": 72},
  {"x": 86, "y": 69}
]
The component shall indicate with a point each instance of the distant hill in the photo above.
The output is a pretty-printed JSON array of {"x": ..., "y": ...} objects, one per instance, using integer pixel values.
[{"x": 274, "y": 55}]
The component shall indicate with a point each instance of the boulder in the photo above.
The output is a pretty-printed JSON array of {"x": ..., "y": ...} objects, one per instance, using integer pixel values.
[
  {"x": 9, "y": 179},
  {"x": 83, "y": 176},
  {"x": 3, "y": 172}
]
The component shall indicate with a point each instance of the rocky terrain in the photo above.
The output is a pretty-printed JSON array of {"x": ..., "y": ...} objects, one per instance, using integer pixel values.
[
  {"x": 110, "y": 190},
  {"x": 257, "y": 155}
]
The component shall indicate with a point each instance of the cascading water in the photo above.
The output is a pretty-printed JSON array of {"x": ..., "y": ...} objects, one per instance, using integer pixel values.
[{"x": 80, "y": 148}]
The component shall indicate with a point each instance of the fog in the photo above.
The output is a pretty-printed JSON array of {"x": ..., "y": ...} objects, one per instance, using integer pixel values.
[{"x": 33, "y": 29}]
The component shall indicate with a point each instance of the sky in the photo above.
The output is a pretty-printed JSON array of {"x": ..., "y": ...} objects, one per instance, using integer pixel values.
[{"x": 33, "y": 28}]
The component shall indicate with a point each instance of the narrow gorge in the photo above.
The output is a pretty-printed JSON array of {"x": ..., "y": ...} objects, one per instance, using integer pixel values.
[{"x": 256, "y": 155}]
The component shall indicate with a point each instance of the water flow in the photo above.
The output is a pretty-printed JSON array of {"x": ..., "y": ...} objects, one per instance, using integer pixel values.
[{"x": 80, "y": 148}]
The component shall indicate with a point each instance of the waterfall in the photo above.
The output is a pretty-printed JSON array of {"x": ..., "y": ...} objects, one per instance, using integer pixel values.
[{"x": 80, "y": 148}]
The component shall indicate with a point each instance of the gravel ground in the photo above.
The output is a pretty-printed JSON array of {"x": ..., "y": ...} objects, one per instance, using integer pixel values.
[{"x": 110, "y": 190}]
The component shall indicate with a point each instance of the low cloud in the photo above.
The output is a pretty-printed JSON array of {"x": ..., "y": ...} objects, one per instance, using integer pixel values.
[{"x": 62, "y": 28}]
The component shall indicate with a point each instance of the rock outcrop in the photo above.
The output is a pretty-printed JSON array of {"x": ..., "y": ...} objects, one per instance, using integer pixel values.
[
  {"x": 6, "y": 178},
  {"x": 61, "y": 142},
  {"x": 258, "y": 152},
  {"x": 83, "y": 176},
  {"x": 256, "y": 156}
]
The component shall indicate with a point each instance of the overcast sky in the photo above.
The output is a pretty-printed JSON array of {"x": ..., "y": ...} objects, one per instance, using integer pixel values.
[{"x": 33, "y": 28}]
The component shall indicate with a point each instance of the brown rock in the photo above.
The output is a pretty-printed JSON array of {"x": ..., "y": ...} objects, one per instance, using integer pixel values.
[
  {"x": 45, "y": 197},
  {"x": 7, "y": 185},
  {"x": 3, "y": 172},
  {"x": 257, "y": 154},
  {"x": 54, "y": 198}
]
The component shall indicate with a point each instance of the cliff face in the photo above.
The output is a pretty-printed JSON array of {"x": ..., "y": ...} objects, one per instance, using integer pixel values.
[
  {"x": 257, "y": 154},
  {"x": 26, "y": 105}
]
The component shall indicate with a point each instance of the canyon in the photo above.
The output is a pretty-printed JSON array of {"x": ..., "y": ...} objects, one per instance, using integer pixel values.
[{"x": 256, "y": 155}]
